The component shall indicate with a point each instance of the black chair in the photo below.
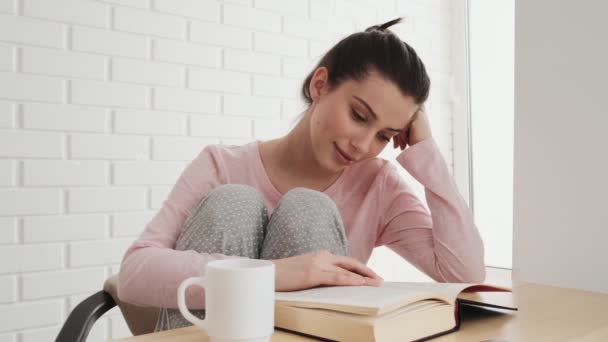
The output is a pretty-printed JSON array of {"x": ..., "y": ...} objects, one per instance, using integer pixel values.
[{"x": 141, "y": 320}]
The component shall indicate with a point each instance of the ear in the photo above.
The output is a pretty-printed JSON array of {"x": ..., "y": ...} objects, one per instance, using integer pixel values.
[{"x": 318, "y": 83}]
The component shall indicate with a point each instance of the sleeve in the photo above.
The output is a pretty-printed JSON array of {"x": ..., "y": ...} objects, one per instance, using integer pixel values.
[
  {"x": 151, "y": 270},
  {"x": 445, "y": 245}
]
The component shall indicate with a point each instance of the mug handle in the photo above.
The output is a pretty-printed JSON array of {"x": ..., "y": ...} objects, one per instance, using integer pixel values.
[{"x": 181, "y": 300}]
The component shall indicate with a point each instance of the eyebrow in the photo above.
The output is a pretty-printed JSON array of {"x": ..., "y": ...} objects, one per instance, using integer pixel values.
[{"x": 369, "y": 108}]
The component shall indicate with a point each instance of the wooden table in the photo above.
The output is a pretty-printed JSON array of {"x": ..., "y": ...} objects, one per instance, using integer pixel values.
[{"x": 545, "y": 313}]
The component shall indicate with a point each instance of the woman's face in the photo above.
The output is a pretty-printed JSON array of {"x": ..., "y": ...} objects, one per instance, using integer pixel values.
[{"x": 355, "y": 121}]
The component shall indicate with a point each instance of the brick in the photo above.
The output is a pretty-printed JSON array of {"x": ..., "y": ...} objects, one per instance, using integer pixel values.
[
  {"x": 8, "y": 338},
  {"x": 356, "y": 10},
  {"x": 130, "y": 224},
  {"x": 64, "y": 228},
  {"x": 130, "y": 3},
  {"x": 318, "y": 49},
  {"x": 251, "y": 18},
  {"x": 292, "y": 108},
  {"x": 279, "y": 44},
  {"x": 42, "y": 334},
  {"x": 119, "y": 327},
  {"x": 62, "y": 117},
  {"x": 157, "y": 196},
  {"x": 109, "y": 94},
  {"x": 220, "y": 126},
  {"x": 186, "y": 100},
  {"x": 297, "y": 68},
  {"x": 7, "y": 58},
  {"x": 31, "y": 314},
  {"x": 7, "y": 172},
  {"x": 62, "y": 63},
  {"x": 8, "y": 289},
  {"x": 274, "y": 86},
  {"x": 304, "y": 28},
  {"x": 186, "y": 53},
  {"x": 62, "y": 283},
  {"x": 146, "y": 173},
  {"x": 64, "y": 173},
  {"x": 251, "y": 106},
  {"x": 30, "y": 144},
  {"x": 108, "y": 147},
  {"x": 109, "y": 42},
  {"x": 8, "y": 231},
  {"x": 150, "y": 23},
  {"x": 98, "y": 252},
  {"x": 29, "y": 87},
  {"x": 106, "y": 200},
  {"x": 7, "y": 6},
  {"x": 70, "y": 11},
  {"x": 320, "y": 9},
  {"x": 144, "y": 72},
  {"x": 30, "y": 201},
  {"x": 28, "y": 258},
  {"x": 270, "y": 129},
  {"x": 7, "y": 114},
  {"x": 183, "y": 149},
  {"x": 252, "y": 62},
  {"x": 149, "y": 122},
  {"x": 284, "y": 7},
  {"x": 204, "y": 10},
  {"x": 218, "y": 34},
  {"x": 240, "y": 2},
  {"x": 25, "y": 30},
  {"x": 219, "y": 80}
]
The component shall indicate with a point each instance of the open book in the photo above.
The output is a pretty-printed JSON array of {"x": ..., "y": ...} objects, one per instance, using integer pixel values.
[{"x": 392, "y": 312}]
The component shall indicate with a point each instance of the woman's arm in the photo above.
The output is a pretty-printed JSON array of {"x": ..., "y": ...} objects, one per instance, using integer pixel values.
[
  {"x": 445, "y": 244},
  {"x": 151, "y": 270}
]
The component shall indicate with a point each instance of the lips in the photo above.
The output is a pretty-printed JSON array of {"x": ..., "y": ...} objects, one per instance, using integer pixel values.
[{"x": 345, "y": 158}]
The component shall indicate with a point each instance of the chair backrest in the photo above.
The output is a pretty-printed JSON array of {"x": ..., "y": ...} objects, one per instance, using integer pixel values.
[{"x": 141, "y": 320}]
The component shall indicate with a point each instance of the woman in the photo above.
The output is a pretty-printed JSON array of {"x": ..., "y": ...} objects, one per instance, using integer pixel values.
[{"x": 316, "y": 201}]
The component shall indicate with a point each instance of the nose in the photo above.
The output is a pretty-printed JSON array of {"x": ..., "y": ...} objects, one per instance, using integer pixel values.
[{"x": 363, "y": 142}]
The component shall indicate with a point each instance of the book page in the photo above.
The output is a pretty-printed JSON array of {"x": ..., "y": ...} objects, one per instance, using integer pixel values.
[{"x": 369, "y": 300}]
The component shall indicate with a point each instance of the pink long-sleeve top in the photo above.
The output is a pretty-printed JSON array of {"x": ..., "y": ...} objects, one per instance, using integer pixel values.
[{"x": 377, "y": 207}]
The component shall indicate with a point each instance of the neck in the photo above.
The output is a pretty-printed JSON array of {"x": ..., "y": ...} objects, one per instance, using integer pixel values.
[{"x": 294, "y": 153}]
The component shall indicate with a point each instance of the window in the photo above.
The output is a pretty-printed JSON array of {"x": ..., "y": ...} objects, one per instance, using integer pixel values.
[{"x": 491, "y": 70}]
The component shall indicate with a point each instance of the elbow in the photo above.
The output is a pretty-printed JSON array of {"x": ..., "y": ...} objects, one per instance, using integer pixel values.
[
  {"x": 123, "y": 286},
  {"x": 127, "y": 283}
]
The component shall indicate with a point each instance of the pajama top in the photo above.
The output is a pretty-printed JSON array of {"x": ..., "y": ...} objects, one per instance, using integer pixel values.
[{"x": 377, "y": 207}]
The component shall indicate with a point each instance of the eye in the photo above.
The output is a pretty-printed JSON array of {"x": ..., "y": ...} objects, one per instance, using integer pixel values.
[
  {"x": 384, "y": 138},
  {"x": 356, "y": 116}
]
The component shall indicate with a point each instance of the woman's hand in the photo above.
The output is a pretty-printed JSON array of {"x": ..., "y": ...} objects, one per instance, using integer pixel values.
[
  {"x": 418, "y": 130},
  {"x": 321, "y": 268}
]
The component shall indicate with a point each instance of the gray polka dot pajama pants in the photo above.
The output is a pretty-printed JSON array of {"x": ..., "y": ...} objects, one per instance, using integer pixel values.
[{"x": 232, "y": 220}]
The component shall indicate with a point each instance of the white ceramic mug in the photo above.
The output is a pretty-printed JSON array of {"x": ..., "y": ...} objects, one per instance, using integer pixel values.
[{"x": 239, "y": 300}]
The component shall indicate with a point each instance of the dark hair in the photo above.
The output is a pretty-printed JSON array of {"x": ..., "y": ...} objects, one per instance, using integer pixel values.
[{"x": 375, "y": 49}]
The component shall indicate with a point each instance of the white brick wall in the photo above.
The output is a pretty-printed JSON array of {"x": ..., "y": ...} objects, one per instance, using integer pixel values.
[{"x": 103, "y": 103}]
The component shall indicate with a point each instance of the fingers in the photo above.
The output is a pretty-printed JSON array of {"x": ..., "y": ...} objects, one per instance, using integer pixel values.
[
  {"x": 355, "y": 266},
  {"x": 341, "y": 279},
  {"x": 361, "y": 280}
]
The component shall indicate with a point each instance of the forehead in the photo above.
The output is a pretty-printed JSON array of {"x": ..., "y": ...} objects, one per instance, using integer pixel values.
[{"x": 383, "y": 96}]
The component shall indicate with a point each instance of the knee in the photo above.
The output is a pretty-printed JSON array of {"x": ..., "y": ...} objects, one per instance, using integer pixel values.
[
  {"x": 308, "y": 198},
  {"x": 303, "y": 202},
  {"x": 229, "y": 201},
  {"x": 236, "y": 193}
]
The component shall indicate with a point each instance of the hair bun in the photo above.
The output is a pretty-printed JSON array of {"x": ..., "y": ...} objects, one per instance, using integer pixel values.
[{"x": 384, "y": 26}]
